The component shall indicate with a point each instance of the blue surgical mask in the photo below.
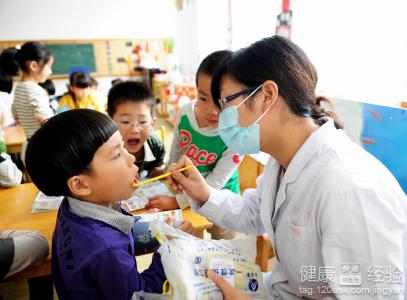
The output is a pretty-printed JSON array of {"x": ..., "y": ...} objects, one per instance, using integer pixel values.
[{"x": 243, "y": 140}]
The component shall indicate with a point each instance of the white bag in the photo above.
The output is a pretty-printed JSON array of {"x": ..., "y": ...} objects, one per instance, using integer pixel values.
[{"x": 186, "y": 258}]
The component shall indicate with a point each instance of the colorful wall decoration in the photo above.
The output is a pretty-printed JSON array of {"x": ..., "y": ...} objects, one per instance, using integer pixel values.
[{"x": 381, "y": 130}]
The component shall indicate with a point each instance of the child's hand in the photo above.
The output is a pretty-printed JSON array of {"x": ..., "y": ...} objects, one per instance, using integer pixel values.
[
  {"x": 162, "y": 203},
  {"x": 190, "y": 181},
  {"x": 187, "y": 227},
  {"x": 156, "y": 172}
]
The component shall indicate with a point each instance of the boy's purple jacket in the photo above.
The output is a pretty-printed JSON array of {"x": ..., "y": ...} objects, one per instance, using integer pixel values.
[{"x": 94, "y": 260}]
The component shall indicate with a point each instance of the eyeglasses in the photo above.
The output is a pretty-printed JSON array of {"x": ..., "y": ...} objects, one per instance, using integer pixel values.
[
  {"x": 250, "y": 91},
  {"x": 127, "y": 125}
]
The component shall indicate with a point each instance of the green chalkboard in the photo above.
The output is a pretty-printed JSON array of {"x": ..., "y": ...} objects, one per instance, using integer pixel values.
[{"x": 67, "y": 56}]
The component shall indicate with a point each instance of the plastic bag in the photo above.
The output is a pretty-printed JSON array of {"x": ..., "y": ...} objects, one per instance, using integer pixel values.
[{"x": 186, "y": 259}]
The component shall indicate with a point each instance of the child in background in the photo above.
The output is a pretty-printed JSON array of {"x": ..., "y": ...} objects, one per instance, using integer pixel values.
[
  {"x": 31, "y": 105},
  {"x": 49, "y": 88},
  {"x": 196, "y": 136},
  {"x": 131, "y": 105},
  {"x": 20, "y": 249},
  {"x": 99, "y": 97},
  {"x": 79, "y": 95},
  {"x": 93, "y": 247},
  {"x": 116, "y": 81},
  {"x": 8, "y": 68}
]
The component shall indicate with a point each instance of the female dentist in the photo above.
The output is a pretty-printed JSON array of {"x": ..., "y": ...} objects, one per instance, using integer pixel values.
[{"x": 335, "y": 215}]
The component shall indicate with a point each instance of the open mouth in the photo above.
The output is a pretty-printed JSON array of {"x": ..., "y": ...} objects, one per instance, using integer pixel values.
[
  {"x": 133, "y": 145},
  {"x": 212, "y": 121},
  {"x": 133, "y": 142}
]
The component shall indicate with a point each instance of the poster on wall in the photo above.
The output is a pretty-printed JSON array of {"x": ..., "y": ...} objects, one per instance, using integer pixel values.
[{"x": 380, "y": 130}]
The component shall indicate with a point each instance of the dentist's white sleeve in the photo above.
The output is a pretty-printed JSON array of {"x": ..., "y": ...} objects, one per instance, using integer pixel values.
[
  {"x": 224, "y": 169},
  {"x": 220, "y": 175},
  {"x": 231, "y": 211}
]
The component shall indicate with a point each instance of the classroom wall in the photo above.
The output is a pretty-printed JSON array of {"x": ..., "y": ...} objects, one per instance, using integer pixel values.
[
  {"x": 104, "y": 84},
  {"x": 204, "y": 26},
  {"x": 358, "y": 47},
  {"x": 253, "y": 20},
  {"x": 186, "y": 46},
  {"x": 86, "y": 19}
]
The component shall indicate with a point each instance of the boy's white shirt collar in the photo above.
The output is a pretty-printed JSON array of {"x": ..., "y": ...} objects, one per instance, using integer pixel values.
[{"x": 148, "y": 154}]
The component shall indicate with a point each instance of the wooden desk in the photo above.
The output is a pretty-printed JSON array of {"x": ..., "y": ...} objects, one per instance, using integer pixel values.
[
  {"x": 14, "y": 137},
  {"x": 15, "y": 212}
]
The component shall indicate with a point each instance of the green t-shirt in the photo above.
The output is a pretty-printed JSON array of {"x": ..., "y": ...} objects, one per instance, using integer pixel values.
[
  {"x": 204, "y": 151},
  {"x": 3, "y": 147}
]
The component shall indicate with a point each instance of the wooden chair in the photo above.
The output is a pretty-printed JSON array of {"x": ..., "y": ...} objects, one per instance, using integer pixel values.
[
  {"x": 264, "y": 252},
  {"x": 161, "y": 132}
]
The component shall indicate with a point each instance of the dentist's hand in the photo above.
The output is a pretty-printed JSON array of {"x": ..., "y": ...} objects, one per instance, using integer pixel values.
[{"x": 190, "y": 181}]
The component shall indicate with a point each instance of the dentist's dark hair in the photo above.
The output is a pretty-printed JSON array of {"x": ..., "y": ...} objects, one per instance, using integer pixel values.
[{"x": 280, "y": 60}]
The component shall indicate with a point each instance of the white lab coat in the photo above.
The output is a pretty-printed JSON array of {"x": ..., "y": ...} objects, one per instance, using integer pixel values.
[{"x": 337, "y": 209}]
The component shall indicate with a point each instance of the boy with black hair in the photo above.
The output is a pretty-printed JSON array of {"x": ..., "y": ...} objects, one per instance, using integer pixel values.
[
  {"x": 131, "y": 105},
  {"x": 80, "y": 154}
]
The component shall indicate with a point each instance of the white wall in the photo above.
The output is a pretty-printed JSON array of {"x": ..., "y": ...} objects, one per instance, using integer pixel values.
[
  {"x": 253, "y": 20},
  {"x": 86, "y": 19},
  {"x": 202, "y": 29},
  {"x": 186, "y": 47},
  {"x": 208, "y": 27},
  {"x": 212, "y": 27},
  {"x": 358, "y": 47}
]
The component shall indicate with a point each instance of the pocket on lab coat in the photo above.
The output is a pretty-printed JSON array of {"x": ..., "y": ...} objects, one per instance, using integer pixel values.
[{"x": 300, "y": 232}]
